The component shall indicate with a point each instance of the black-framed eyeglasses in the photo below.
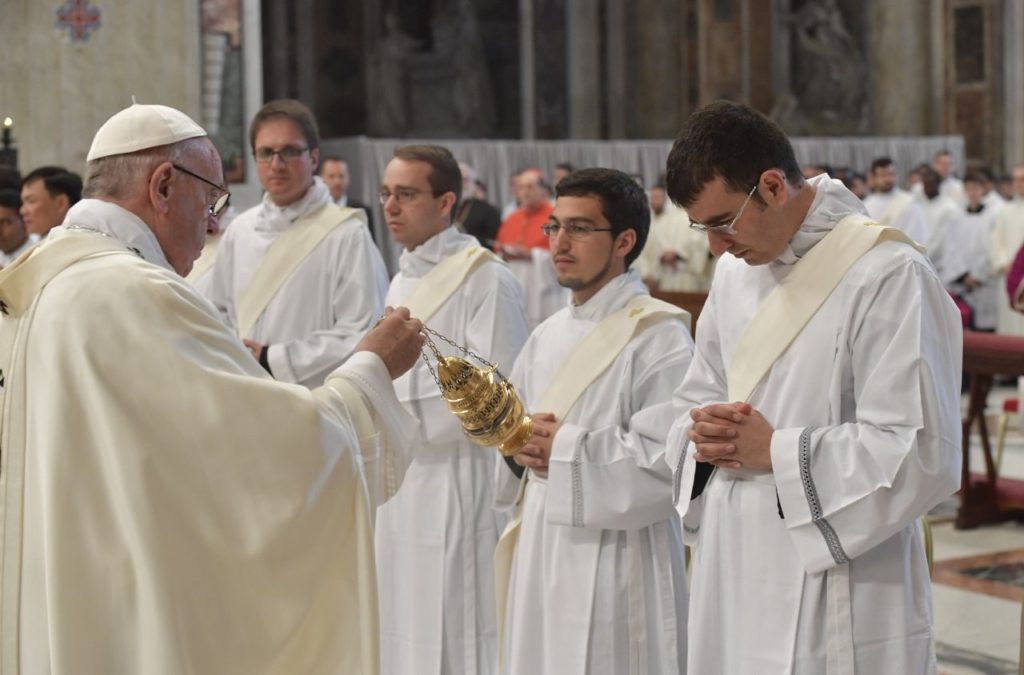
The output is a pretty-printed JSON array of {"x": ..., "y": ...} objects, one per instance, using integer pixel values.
[
  {"x": 572, "y": 230},
  {"x": 287, "y": 154},
  {"x": 220, "y": 203},
  {"x": 724, "y": 228},
  {"x": 401, "y": 195}
]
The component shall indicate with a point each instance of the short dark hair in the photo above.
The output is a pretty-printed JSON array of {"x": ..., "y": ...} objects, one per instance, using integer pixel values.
[
  {"x": 975, "y": 176},
  {"x": 445, "y": 175},
  {"x": 289, "y": 108},
  {"x": 58, "y": 181},
  {"x": 881, "y": 163},
  {"x": 565, "y": 166},
  {"x": 10, "y": 199},
  {"x": 729, "y": 141},
  {"x": 623, "y": 202}
]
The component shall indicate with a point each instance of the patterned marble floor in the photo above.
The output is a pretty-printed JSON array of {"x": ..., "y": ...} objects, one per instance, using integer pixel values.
[{"x": 979, "y": 580}]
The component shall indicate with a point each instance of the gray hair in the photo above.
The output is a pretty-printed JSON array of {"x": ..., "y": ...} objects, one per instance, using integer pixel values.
[{"x": 120, "y": 176}]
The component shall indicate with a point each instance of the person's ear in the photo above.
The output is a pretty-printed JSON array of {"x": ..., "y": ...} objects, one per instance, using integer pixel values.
[
  {"x": 772, "y": 187},
  {"x": 624, "y": 243},
  {"x": 160, "y": 188},
  {"x": 447, "y": 203}
]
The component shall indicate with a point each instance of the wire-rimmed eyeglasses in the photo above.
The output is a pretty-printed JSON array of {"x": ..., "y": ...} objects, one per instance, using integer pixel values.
[
  {"x": 725, "y": 229},
  {"x": 220, "y": 203}
]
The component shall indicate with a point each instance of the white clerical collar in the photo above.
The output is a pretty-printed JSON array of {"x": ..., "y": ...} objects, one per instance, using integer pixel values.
[
  {"x": 117, "y": 222},
  {"x": 613, "y": 295},
  {"x": 424, "y": 257},
  {"x": 342, "y": 200},
  {"x": 832, "y": 202},
  {"x": 274, "y": 218}
]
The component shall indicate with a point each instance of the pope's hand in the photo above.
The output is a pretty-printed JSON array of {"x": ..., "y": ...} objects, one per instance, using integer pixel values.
[{"x": 396, "y": 339}]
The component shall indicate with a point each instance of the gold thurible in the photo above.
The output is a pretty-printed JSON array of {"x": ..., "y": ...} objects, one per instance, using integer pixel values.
[{"x": 485, "y": 402}]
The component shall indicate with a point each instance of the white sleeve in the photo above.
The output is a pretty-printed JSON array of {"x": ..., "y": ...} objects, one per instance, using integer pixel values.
[
  {"x": 848, "y": 487},
  {"x": 705, "y": 383},
  {"x": 360, "y": 285},
  {"x": 359, "y": 396},
  {"x": 615, "y": 476}
]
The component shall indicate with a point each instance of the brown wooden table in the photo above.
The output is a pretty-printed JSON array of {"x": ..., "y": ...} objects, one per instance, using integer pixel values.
[
  {"x": 985, "y": 356},
  {"x": 691, "y": 302}
]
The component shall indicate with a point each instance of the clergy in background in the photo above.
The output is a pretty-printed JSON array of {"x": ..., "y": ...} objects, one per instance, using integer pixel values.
[
  {"x": 298, "y": 277},
  {"x": 591, "y": 575},
  {"x": 335, "y": 174},
  {"x": 521, "y": 242},
  {"x": 14, "y": 239},
  {"x": 167, "y": 506},
  {"x": 942, "y": 214},
  {"x": 1007, "y": 240},
  {"x": 978, "y": 286},
  {"x": 675, "y": 258},
  {"x": 436, "y": 538},
  {"x": 820, "y": 419},
  {"x": 892, "y": 206}
]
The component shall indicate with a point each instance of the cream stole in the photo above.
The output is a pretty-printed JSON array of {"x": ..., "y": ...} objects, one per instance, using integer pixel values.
[
  {"x": 900, "y": 203},
  {"x": 595, "y": 353},
  {"x": 435, "y": 287},
  {"x": 284, "y": 257},
  {"x": 799, "y": 295},
  {"x": 777, "y": 322}
]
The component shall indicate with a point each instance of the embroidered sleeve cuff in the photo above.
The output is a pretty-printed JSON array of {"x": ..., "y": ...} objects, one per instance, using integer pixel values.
[
  {"x": 371, "y": 376},
  {"x": 277, "y": 361},
  {"x": 816, "y": 541},
  {"x": 564, "y": 503}
]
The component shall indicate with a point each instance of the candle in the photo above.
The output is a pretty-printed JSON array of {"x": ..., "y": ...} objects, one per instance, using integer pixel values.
[{"x": 8, "y": 123}]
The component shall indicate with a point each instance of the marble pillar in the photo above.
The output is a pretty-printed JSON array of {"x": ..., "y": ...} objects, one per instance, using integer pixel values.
[
  {"x": 583, "y": 28},
  {"x": 1013, "y": 102},
  {"x": 901, "y": 68}
]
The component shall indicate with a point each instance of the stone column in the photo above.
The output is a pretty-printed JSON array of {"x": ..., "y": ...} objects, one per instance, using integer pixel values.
[
  {"x": 615, "y": 77},
  {"x": 1013, "y": 100},
  {"x": 306, "y": 74},
  {"x": 279, "y": 51},
  {"x": 901, "y": 62},
  {"x": 527, "y": 76},
  {"x": 584, "y": 68},
  {"x": 59, "y": 92}
]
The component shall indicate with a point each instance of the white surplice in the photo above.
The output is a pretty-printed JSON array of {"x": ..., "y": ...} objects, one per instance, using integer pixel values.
[
  {"x": 973, "y": 232},
  {"x": 436, "y": 538},
  {"x": 942, "y": 215},
  {"x": 1007, "y": 239},
  {"x": 598, "y": 581},
  {"x": 167, "y": 506},
  {"x": 324, "y": 308},
  {"x": 671, "y": 233},
  {"x": 865, "y": 404},
  {"x": 900, "y": 209}
]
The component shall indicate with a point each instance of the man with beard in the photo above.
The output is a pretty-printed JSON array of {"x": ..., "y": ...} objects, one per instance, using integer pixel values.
[
  {"x": 893, "y": 206},
  {"x": 590, "y": 572}
]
